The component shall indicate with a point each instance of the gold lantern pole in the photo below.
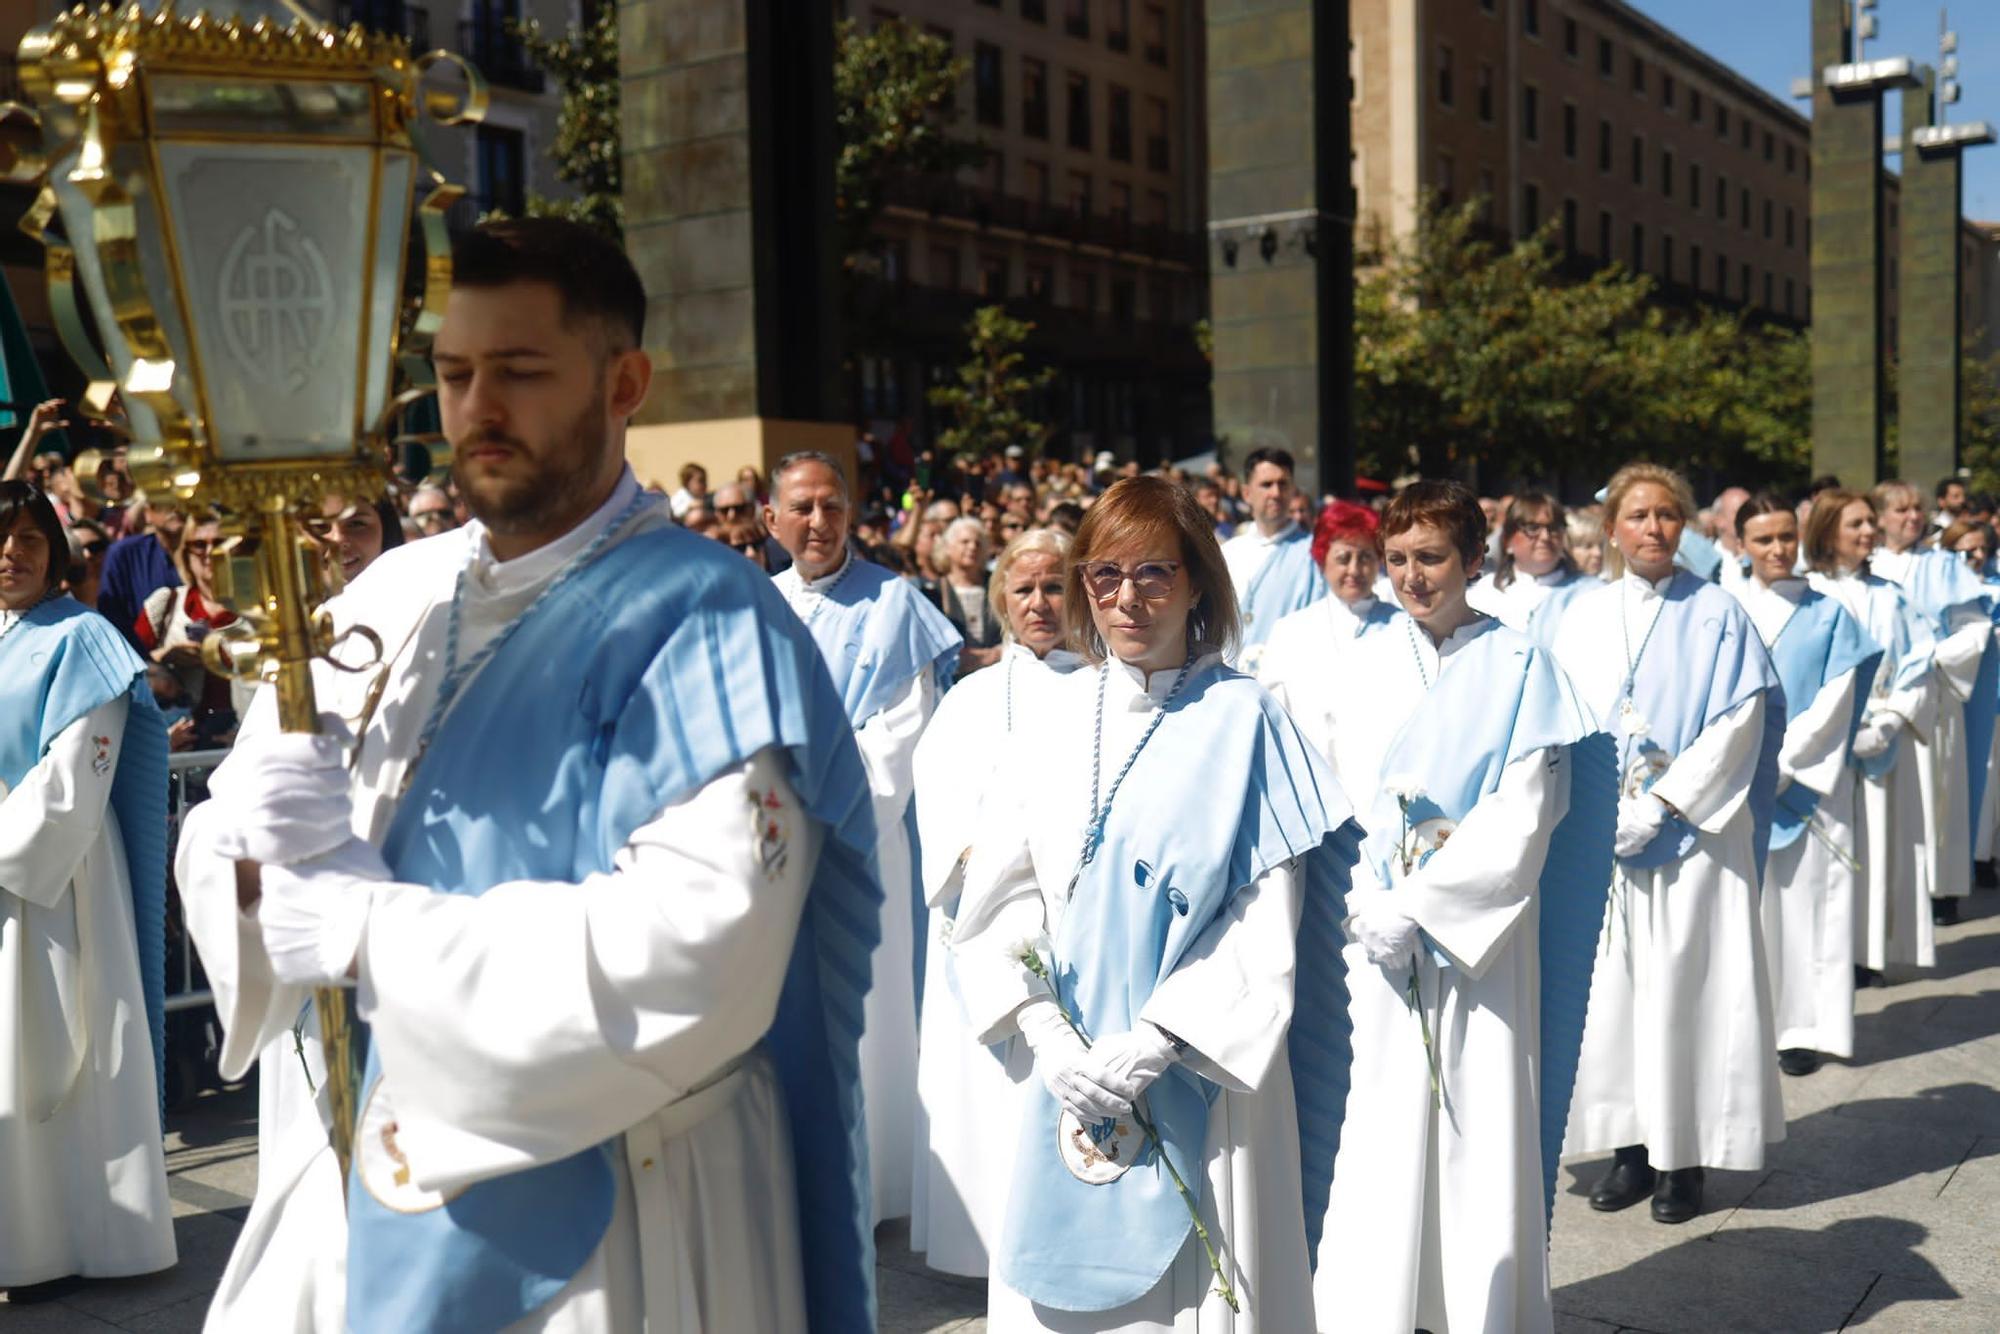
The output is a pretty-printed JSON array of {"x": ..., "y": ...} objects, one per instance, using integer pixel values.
[{"x": 133, "y": 106}]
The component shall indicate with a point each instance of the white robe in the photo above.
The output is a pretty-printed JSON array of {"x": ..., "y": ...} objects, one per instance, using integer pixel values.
[
  {"x": 888, "y": 743},
  {"x": 1892, "y": 914},
  {"x": 1679, "y": 1049},
  {"x": 83, "y": 1178},
  {"x": 1516, "y": 604},
  {"x": 492, "y": 1013},
  {"x": 968, "y": 1093},
  {"x": 1437, "y": 1218},
  {"x": 1311, "y": 665},
  {"x": 1809, "y": 891},
  {"x": 1230, "y": 999}
]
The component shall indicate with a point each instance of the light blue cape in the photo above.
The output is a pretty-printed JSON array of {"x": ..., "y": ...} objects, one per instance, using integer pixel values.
[
  {"x": 1502, "y": 698},
  {"x": 1547, "y": 618},
  {"x": 1226, "y": 789},
  {"x": 1287, "y": 582},
  {"x": 1819, "y": 644},
  {"x": 668, "y": 661},
  {"x": 877, "y": 632},
  {"x": 60, "y": 661}
]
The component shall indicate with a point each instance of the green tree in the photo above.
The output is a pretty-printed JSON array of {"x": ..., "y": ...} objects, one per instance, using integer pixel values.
[
  {"x": 989, "y": 405},
  {"x": 1979, "y": 435},
  {"x": 892, "y": 93},
  {"x": 584, "y": 62}
]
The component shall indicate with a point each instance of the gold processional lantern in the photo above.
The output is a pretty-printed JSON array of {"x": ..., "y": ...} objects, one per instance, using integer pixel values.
[{"x": 230, "y": 198}]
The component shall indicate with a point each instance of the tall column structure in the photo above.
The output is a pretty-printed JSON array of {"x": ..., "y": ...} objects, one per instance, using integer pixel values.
[
  {"x": 1281, "y": 252},
  {"x": 1847, "y": 246},
  {"x": 728, "y": 157},
  {"x": 1931, "y": 315}
]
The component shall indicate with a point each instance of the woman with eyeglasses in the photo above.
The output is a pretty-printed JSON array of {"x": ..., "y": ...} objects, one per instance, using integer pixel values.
[
  {"x": 1473, "y": 927},
  {"x": 172, "y": 625},
  {"x": 1892, "y": 922},
  {"x": 1827, "y": 664},
  {"x": 968, "y": 1091},
  {"x": 1535, "y": 578},
  {"x": 83, "y": 825},
  {"x": 1676, "y": 1073},
  {"x": 1153, "y": 909},
  {"x": 1309, "y": 661}
]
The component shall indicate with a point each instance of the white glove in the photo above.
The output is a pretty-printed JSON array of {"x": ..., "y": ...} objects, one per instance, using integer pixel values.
[
  {"x": 313, "y": 914},
  {"x": 287, "y": 795},
  {"x": 1065, "y": 1064},
  {"x": 1128, "y": 1063},
  {"x": 1381, "y": 928},
  {"x": 1875, "y": 736},
  {"x": 1639, "y": 821}
]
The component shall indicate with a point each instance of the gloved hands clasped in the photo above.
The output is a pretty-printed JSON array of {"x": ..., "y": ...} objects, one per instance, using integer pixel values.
[{"x": 1098, "y": 1082}]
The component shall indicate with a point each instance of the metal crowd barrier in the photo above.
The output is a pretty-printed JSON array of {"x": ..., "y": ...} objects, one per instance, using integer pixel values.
[{"x": 187, "y": 785}]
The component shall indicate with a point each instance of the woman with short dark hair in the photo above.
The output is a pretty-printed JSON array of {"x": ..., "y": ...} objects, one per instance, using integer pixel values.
[
  {"x": 1473, "y": 926},
  {"x": 83, "y": 790},
  {"x": 1153, "y": 909}
]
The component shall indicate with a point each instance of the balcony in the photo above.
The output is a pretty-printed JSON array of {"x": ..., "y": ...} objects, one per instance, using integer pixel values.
[
  {"x": 922, "y": 317},
  {"x": 499, "y": 55},
  {"x": 1047, "y": 222}
]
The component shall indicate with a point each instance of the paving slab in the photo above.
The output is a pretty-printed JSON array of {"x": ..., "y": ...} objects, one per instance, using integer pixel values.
[
  {"x": 1908, "y": 1306},
  {"x": 1701, "y": 1286}
]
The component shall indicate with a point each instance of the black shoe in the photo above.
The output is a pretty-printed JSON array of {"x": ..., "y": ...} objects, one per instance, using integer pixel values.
[
  {"x": 1678, "y": 1197},
  {"x": 1944, "y": 912},
  {"x": 1869, "y": 977},
  {"x": 1986, "y": 875},
  {"x": 1629, "y": 1181},
  {"x": 36, "y": 1293},
  {"x": 1798, "y": 1060}
]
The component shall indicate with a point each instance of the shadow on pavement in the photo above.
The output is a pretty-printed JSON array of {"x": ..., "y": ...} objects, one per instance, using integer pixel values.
[{"x": 217, "y": 1116}]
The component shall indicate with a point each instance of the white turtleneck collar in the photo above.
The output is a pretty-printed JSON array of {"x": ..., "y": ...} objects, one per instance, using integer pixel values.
[
  {"x": 1056, "y": 660},
  {"x": 1127, "y": 687},
  {"x": 490, "y": 575},
  {"x": 1771, "y": 606},
  {"x": 1257, "y": 534},
  {"x": 1348, "y": 618},
  {"x": 1644, "y": 589}
]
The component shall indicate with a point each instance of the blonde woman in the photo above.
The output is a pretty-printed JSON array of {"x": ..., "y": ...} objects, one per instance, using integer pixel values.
[
  {"x": 1678, "y": 1071},
  {"x": 967, "y": 1091}
]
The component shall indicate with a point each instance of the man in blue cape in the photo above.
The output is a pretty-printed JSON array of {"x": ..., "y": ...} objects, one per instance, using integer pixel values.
[
  {"x": 1270, "y": 560},
  {"x": 599, "y": 865}
]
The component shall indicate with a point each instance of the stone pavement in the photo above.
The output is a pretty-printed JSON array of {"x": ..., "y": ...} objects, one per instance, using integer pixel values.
[{"x": 1880, "y": 1211}]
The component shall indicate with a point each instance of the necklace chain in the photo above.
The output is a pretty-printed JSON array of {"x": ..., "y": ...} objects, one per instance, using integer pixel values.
[
  {"x": 1417, "y": 652},
  {"x": 457, "y": 674},
  {"x": 1093, "y": 834},
  {"x": 819, "y": 605}
]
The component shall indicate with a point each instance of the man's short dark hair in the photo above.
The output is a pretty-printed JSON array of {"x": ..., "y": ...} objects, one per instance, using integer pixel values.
[
  {"x": 18, "y": 498},
  {"x": 596, "y": 280},
  {"x": 1281, "y": 458},
  {"x": 1946, "y": 485}
]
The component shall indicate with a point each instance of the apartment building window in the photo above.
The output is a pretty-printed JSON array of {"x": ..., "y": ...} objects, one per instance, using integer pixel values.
[
  {"x": 1604, "y": 235},
  {"x": 1790, "y": 294},
  {"x": 1791, "y": 159},
  {"x": 1791, "y": 227},
  {"x": 1158, "y": 211},
  {"x": 1531, "y": 114},
  {"x": 1531, "y": 207},
  {"x": 1721, "y": 275},
  {"x": 1667, "y": 91},
  {"x": 1744, "y": 210},
  {"x": 1769, "y": 213},
  {"x": 995, "y": 173},
  {"x": 1124, "y": 300},
  {"x": 1770, "y": 150},
  {"x": 1666, "y": 259},
  {"x": 1035, "y": 11},
  {"x": 1694, "y": 105},
  {"x": 1694, "y": 267},
  {"x": 503, "y": 178},
  {"x": 1120, "y": 127},
  {"x": 1531, "y": 17},
  {"x": 1769, "y": 279},
  {"x": 1159, "y": 301},
  {"x": 1666, "y": 173},
  {"x": 1638, "y": 74},
  {"x": 1118, "y": 24},
  {"x": 993, "y": 277},
  {"x": 1747, "y": 130},
  {"x": 1606, "y": 58},
  {"x": 1446, "y": 181},
  {"x": 1721, "y": 197},
  {"x": 1485, "y": 93},
  {"x": 1034, "y": 98},
  {"x": 1153, "y": 33},
  {"x": 944, "y": 267},
  {"x": 1079, "y": 111},
  {"x": 1079, "y": 193},
  {"x": 1569, "y": 225},
  {"x": 1035, "y": 181},
  {"x": 1486, "y": 5},
  {"x": 1744, "y": 272},
  {"x": 1157, "y": 158},
  {"x": 1694, "y": 185},
  {"x": 1446, "y": 91},
  {"x": 1083, "y": 291},
  {"x": 1571, "y": 38},
  {"x": 1639, "y": 247},
  {"x": 1638, "y": 159},
  {"x": 1721, "y": 121},
  {"x": 1039, "y": 281},
  {"x": 1121, "y": 202},
  {"x": 1604, "y": 146},
  {"x": 1569, "y": 130},
  {"x": 1076, "y": 17},
  {"x": 988, "y": 93}
]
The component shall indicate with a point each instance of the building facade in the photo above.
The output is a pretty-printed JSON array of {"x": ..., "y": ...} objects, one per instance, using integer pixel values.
[{"x": 1087, "y": 219}]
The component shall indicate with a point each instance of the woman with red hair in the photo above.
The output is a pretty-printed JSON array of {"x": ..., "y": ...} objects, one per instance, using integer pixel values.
[{"x": 1304, "y": 660}]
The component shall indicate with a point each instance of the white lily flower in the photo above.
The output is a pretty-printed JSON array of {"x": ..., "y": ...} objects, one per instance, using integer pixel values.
[{"x": 1405, "y": 788}]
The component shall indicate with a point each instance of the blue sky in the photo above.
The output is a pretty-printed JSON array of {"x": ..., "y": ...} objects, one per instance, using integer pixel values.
[{"x": 1768, "y": 41}]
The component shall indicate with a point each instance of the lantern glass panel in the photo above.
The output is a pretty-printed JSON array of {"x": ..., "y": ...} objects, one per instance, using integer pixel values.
[
  {"x": 273, "y": 243},
  {"x": 392, "y": 229},
  {"x": 239, "y": 108}
]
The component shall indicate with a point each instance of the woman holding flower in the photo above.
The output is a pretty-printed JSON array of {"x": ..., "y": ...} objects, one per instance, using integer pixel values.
[
  {"x": 1677, "y": 1073},
  {"x": 1827, "y": 663},
  {"x": 966, "y": 1091},
  {"x": 1155, "y": 913},
  {"x": 1475, "y": 920},
  {"x": 1308, "y": 661}
]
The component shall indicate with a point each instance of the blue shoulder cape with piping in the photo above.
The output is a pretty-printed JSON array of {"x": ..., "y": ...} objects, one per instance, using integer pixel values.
[{"x": 1819, "y": 644}]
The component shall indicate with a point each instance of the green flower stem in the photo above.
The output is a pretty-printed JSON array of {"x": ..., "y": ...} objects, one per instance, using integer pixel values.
[
  {"x": 1416, "y": 998},
  {"x": 1033, "y": 962}
]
